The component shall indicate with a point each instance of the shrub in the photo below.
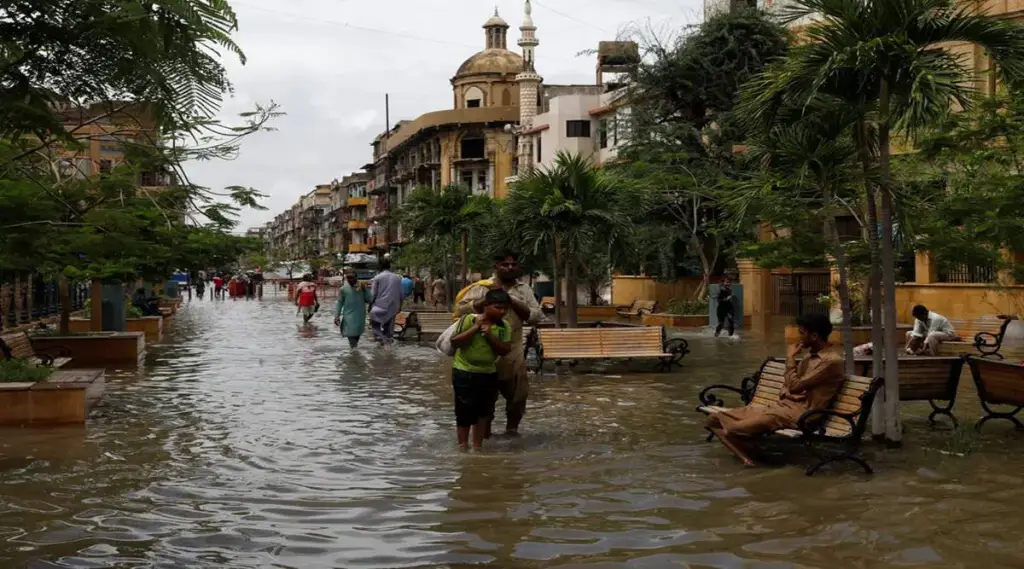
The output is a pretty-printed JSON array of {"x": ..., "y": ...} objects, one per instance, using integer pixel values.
[
  {"x": 12, "y": 371},
  {"x": 687, "y": 306}
]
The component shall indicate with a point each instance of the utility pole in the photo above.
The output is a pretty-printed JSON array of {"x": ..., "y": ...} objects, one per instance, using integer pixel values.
[{"x": 387, "y": 171}]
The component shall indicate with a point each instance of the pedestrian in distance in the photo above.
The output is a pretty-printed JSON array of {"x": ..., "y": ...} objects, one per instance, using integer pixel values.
[
  {"x": 419, "y": 291},
  {"x": 479, "y": 340},
  {"x": 350, "y": 310},
  {"x": 386, "y": 288},
  {"x": 305, "y": 298}
]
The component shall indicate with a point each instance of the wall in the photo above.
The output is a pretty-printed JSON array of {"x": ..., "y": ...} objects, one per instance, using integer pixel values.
[
  {"x": 566, "y": 108},
  {"x": 958, "y": 301},
  {"x": 627, "y": 288}
]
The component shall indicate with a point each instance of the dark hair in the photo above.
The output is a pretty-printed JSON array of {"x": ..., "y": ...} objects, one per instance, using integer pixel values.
[
  {"x": 497, "y": 297},
  {"x": 815, "y": 324},
  {"x": 505, "y": 254},
  {"x": 384, "y": 265},
  {"x": 919, "y": 309}
]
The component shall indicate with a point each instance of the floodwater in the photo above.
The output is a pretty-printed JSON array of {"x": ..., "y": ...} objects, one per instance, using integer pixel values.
[{"x": 246, "y": 441}]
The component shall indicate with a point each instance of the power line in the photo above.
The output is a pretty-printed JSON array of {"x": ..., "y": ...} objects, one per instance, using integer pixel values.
[
  {"x": 573, "y": 18},
  {"x": 355, "y": 26}
]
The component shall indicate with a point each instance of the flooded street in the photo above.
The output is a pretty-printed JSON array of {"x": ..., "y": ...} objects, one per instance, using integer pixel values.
[{"x": 246, "y": 441}]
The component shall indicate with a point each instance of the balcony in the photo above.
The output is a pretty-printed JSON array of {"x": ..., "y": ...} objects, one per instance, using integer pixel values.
[
  {"x": 358, "y": 248},
  {"x": 357, "y": 224},
  {"x": 356, "y": 202}
]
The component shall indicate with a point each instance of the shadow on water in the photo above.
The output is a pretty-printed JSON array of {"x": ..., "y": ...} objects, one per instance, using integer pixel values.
[{"x": 249, "y": 440}]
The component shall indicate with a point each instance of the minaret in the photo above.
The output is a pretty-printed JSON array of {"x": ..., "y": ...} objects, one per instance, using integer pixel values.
[{"x": 529, "y": 81}]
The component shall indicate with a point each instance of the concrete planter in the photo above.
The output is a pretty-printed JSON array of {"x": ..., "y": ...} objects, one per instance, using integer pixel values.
[
  {"x": 65, "y": 398},
  {"x": 151, "y": 326},
  {"x": 676, "y": 320},
  {"x": 99, "y": 349}
]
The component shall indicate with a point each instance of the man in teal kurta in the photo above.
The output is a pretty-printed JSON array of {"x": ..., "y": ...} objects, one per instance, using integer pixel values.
[{"x": 350, "y": 312}]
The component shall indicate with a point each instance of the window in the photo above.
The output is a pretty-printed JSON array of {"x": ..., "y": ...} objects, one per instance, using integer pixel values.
[
  {"x": 602, "y": 133},
  {"x": 538, "y": 149},
  {"x": 577, "y": 129},
  {"x": 481, "y": 182},
  {"x": 467, "y": 179},
  {"x": 472, "y": 147},
  {"x": 472, "y": 103},
  {"x": 105, "y": 166}
]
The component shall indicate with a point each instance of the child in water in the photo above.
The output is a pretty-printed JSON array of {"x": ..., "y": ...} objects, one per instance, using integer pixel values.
[{"x": 478, "y": 341}]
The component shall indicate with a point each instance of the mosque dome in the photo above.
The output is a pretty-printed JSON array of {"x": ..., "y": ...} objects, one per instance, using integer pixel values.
[{"x": 493, "y": 60}]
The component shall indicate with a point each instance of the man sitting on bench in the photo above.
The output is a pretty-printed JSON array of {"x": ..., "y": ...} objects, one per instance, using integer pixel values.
[
  {"x": 930, "y": 330},
  {"x": 810, "y": 384}
]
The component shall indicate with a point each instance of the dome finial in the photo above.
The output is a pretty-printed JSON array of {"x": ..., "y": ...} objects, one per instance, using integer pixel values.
[{"x": 496, "y": 11}]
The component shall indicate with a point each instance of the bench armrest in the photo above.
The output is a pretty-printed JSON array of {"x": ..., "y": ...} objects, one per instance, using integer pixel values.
[
  {"x": 678, "y": 347},
  {"x": 812, "y": 423},
  {"x": 708, "y": 397},
  {"x": 981, "y": 340}
]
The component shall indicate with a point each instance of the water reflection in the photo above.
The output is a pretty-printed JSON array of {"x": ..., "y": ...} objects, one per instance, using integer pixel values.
[{"x": 248, "y": 440}]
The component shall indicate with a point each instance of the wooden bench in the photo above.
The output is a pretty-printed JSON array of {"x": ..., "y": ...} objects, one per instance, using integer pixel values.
[
  {"x": 984, "y": 335},
  {"x": 998, "y": 383},
  {"x": 430, "y": 323},
  {"x": 18, "y": 345},
  {"x": 610, "y": 344},
  {"x": 831, "y": 435},
  {"x": 637, "y": 309},
  {"x": 925, "y": 378}
]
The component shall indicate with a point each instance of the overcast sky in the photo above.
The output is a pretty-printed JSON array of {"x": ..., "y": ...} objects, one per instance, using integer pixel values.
[{"x": 328, "y": 63}]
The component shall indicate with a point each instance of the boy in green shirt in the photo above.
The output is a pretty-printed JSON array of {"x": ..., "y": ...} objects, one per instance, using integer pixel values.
[{"x": 479, "y": 340}]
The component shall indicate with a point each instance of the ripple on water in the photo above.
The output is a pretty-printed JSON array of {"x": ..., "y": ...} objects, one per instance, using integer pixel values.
[{"x": 248, "y": 441}]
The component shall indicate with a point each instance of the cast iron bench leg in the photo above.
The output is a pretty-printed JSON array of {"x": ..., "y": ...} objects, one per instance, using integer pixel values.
[
  {"x": 849, "y": 453},
  {"x": 947, "y": 411},
  {"x": 1010, "y": 416}
]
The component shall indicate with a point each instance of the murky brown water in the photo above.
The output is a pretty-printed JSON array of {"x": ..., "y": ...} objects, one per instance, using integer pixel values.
[{"x": 245, "y": 442}]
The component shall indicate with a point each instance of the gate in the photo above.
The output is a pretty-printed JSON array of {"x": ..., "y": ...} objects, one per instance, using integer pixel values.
[{"x": 797, "y": 294}]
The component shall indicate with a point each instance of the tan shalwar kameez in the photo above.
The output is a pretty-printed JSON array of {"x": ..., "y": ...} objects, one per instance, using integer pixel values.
[
  {"x": 513, "y": 380},
  {"x": 810, "y": 384}
]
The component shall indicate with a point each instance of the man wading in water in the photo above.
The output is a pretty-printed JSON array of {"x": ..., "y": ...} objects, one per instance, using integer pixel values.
[
  {"x": 305, "y": 298},
  {"x": 513, "y": 381}
]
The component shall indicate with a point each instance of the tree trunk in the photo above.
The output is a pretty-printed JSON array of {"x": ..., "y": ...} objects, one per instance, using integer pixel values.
[
  {"x": 571, "y": 288},
  {"x": 65, "y": 306},
  {"x": 558, "y": 285},
  {"x": 892, "y": 379},
  {"x": 839, "y": 252},
  {"x": 878, "y": 409}
]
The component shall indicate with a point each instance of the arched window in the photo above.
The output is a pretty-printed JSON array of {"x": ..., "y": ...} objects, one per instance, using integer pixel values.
[
  {"x": 474, "y": 97},
  {"x": 506, "y": 98}
]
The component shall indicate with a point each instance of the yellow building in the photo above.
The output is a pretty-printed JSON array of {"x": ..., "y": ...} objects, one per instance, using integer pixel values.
[
  {"x": 467, "y": 144},
  {"x": 101, "y": 132}
]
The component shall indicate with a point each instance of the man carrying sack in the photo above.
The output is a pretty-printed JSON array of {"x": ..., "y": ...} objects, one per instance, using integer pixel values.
[{"x": 513, "y": 381}]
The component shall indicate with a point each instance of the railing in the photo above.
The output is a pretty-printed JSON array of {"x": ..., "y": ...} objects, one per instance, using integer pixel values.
[
  {"x": 967, "y": 273},
  {"x": 28, "y": 298}
]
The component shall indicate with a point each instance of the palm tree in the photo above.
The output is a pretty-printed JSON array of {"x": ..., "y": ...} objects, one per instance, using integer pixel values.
[
  {"x": 809, "y": 159},
  {"x": 566, "y": 209},
  {"x": 890, "y": 62},
  {"x": 445, "y": 217}
]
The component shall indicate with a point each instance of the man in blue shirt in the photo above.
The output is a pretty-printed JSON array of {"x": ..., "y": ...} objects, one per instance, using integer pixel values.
[{"x": 407, "y": 286}]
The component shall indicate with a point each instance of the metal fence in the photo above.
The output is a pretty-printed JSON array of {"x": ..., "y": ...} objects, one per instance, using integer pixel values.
[
  {"x": 28, "y": 298},
  {"x": 797, "y": 294},
  {"x": 966, "y": 273}
]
